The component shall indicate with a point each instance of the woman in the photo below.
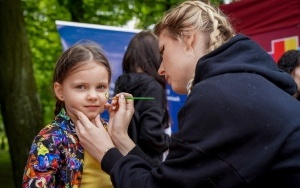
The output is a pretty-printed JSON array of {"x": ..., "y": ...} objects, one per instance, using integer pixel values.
[{"x": 239, "y": 127}]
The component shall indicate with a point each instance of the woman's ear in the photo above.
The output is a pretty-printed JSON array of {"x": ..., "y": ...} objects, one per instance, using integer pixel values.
[
  {"x": 189, "y": 40},
  {"x": 58, "y": 91}
]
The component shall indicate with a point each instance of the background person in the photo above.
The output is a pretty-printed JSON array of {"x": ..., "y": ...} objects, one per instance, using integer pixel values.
[
  {"x": 140, "y": 65},
  {"x": 56, "y": 158},
  {"x": 239, "y": 126},
  {"x": 290, "y": 63}
]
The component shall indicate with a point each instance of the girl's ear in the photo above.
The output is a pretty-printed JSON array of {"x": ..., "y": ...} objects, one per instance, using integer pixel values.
[{"x": 58, "y": 91}]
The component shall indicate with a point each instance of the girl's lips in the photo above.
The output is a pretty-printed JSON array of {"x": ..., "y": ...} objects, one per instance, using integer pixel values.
[{"x": 92, "y": 107}]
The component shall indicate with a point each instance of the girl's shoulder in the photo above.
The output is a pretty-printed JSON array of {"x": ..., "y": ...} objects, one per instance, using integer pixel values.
[
  {"x": 53, "y": 134},
  {"x": 51, "y": 128}
]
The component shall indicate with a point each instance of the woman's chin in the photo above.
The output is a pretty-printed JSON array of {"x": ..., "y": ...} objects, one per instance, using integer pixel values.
[{"x": 181, "y": 91}]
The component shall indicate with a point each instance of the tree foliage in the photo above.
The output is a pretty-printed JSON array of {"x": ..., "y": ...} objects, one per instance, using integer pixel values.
[
  {"x": 45, "y": 45},
  {"x": 20, "y": 105}
]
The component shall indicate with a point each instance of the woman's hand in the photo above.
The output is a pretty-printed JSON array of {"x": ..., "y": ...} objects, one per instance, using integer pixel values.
[
  {"x": 93, "y": 137},
  {"x": 121, "y": 111}
]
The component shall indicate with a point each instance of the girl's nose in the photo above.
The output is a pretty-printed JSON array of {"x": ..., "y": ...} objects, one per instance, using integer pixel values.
[{"x": 92, "y": 95}]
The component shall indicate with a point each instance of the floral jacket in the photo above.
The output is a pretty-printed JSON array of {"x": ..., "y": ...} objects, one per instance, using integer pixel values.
[{"x": 56, "y": 156}]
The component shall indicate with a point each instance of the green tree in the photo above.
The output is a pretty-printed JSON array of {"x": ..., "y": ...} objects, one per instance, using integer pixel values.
[
  {"x": 20, "y": 105},
  {"x": 45, "y": 46}
]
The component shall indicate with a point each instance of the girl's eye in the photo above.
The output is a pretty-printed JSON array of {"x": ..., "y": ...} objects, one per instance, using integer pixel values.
[
  {"x": 80, "y": 87},
  {"x": 101, "y": 87}
]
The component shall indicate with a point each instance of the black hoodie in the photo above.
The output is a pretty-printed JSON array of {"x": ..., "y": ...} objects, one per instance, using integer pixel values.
[
  {"x": 239, "y": 127},
  {"x": 149, "y": 121}
]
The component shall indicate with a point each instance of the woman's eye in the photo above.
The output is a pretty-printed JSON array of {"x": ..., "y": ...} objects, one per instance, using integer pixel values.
[
  {"x": 162, "y": 50},
  {"x": 161, "y": 53}
]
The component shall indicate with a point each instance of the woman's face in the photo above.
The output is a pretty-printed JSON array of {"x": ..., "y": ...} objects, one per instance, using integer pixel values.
[
  {"x": 177, "y": 65},
  {"x": 84, "y": 89}
]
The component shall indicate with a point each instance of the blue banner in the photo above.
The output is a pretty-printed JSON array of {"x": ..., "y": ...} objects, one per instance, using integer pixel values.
[{"x": 114, "y": 41}]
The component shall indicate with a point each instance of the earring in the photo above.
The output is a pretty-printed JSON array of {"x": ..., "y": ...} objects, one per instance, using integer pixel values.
[{"x": 189, "y": 53}]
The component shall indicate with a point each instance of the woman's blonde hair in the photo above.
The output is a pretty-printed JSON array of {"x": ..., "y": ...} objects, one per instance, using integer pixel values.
[{"x": 191, "y": 16}]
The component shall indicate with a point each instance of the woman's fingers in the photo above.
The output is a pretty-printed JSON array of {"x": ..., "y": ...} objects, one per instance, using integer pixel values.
[
  {"x": 79, "y": 127},
  {"x": 121, "y": 118},
  {"x": 98, "y": 122},
  {"x": 85, "y": 121},
  {"x": 126, "y": 104},
  {"x": 93, "y": 136}
]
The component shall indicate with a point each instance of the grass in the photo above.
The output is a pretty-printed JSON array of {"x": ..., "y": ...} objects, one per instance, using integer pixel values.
[{"x": 6, "y": 176}]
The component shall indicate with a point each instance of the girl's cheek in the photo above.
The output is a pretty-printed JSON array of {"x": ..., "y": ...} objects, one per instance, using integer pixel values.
[{"x": 103, "y": 97}]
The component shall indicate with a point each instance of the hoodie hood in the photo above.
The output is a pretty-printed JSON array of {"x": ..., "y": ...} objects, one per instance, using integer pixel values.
[
  {"x": 132, "y": 82},
  {"x": 241, "y": 54}
]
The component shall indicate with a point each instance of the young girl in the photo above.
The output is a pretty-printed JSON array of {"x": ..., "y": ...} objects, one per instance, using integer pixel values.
[{"x": 56, "y": 158}]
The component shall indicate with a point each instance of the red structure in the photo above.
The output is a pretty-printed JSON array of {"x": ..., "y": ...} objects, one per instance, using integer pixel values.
[{"x": 274, "y": 24}]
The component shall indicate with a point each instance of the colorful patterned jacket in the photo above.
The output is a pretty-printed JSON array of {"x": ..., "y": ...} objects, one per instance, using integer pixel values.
[{"x": 56, "y": 156}]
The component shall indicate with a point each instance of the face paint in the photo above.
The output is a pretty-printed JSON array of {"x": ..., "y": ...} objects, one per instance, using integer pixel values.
[{"x": 107, "y": 95}]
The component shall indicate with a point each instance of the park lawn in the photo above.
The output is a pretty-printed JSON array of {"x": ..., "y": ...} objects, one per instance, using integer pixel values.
[{"x": 6, "y": 177}]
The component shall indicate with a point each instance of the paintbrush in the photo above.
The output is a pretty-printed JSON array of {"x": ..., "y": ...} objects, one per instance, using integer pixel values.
[{"x": 133, "y": 98}]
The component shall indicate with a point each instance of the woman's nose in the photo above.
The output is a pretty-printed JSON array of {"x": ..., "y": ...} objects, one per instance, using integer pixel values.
[{"x": 161, "y": 70}]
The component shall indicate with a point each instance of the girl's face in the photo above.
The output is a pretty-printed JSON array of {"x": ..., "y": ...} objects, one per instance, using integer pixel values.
[
  {"x": 177, "y": 65},
  {"x": 84, "y": 89}
]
